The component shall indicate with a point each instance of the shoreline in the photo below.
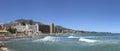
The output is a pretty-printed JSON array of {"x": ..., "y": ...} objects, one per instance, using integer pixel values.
[
  {"x": 23, "y": 36},
  {"x": 15, "y": 36}
]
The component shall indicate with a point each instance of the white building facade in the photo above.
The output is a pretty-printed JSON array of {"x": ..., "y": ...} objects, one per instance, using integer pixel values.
[
  {"x": 32, "y": 27},
  {"x": 28, "y": 29}
]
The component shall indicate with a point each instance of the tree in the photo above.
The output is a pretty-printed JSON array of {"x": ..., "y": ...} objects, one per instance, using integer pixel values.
[
  {"x": 30, "y": 22},
  {"x": 12, "y": 30},
  {"x": 59, "y": 30},
  {"x": 23, "y": 23},
  {"x": 0, "y": 27}
]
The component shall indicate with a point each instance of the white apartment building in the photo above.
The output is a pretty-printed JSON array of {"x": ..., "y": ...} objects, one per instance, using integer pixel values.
[{"x": 28, "y": 29}]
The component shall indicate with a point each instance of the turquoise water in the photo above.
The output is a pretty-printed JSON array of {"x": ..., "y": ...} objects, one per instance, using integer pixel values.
[{"x": 69, "y": 42}]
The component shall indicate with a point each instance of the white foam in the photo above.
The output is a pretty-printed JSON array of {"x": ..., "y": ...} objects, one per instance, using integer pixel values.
[
  {"x": 73, "y": 37},
  {"x": 87, "y": 40},
  {"x": 47, "y": 38}
]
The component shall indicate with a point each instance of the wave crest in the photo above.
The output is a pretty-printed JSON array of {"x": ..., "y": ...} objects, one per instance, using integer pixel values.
[
  {"x": 73, "y": 37},
  {"x": 47, "y": 38},
  {"x": 87, "y": 40}
]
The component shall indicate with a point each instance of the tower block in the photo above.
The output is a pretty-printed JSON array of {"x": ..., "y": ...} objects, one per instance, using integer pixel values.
[{"x": 52, "y": 28}]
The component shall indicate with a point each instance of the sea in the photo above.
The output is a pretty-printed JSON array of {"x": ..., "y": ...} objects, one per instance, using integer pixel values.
[{"x": 67, "y": 42}]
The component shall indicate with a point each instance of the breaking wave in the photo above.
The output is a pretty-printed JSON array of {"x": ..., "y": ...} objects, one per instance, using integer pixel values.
[
  {"x": 73, "y": 37},
  {"x": 110, "y": 41},
  {"x": 87, "y": 40},
  {"x": 48, "y": 38}
]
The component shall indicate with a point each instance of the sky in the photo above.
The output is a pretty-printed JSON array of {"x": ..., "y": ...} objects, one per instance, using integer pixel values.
[{"x": 88, "y": 15}]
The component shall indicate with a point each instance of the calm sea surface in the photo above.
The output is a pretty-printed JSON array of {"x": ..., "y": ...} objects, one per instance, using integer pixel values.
[{"x": 68, "y": 42}]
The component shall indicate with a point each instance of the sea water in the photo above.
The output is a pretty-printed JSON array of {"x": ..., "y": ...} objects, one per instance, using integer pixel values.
[{"x": 69, "y": 42}]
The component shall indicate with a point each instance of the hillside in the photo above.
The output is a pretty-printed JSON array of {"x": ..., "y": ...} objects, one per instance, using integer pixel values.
[
  {"x": 61, "y": 29},
  {"x": 27, "y": 21}
]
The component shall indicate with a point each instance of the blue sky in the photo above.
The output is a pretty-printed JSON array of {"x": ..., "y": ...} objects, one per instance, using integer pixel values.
[{"x": 90, "y": 15}]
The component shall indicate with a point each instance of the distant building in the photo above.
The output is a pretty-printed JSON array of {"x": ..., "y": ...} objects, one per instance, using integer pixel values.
[
  {"x": 28, "y": 29},
  {"x": 32, "y": 27},
  {"x": 44, "y": 28},
  {"x": 8, "y": 25},
  {"x": 20, "y": 28},
  {"x": 52, "y": 28}
]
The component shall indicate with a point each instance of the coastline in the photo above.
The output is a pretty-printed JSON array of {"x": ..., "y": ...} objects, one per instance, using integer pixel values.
[
  {"x": 15, "y": 36},
  {"x": 41, "y": 35}
]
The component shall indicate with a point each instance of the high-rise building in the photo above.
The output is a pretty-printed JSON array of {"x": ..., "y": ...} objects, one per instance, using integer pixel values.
[
  {"x": 52, "y": 28},
  {"x": 44, "y": 28}
]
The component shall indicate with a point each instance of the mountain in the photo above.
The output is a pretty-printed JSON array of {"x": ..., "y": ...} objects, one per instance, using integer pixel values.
[
  {"x": 67, "y": 30},
  {"x": 28, "y": 21}
]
